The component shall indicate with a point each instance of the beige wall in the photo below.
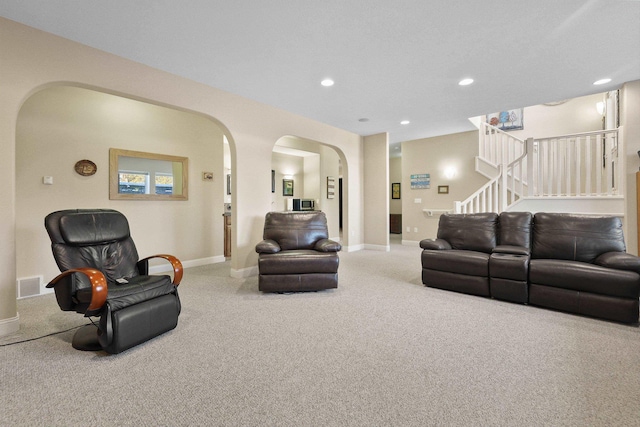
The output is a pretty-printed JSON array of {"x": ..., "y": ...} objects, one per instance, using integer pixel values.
[
  {"x": 33, "y": 60},
  {"x": 434, "y": 156},
  {"x": 61, "y": 125},
  {"x": 574, "y": 116},
  {"x": 630, "y": 122},
  {"x": 376, "y": 191},
  {"x": 395, "y": 175},
  {"x": 289, "y": 166}
]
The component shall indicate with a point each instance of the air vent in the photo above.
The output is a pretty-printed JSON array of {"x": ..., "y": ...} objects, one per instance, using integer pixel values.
[{"x": 28, "y": 286}]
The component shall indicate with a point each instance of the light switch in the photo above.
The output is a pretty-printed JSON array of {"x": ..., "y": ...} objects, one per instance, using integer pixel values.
[
  {"x": 417, "y": 200},
  {"x": 47, "y": 180}
]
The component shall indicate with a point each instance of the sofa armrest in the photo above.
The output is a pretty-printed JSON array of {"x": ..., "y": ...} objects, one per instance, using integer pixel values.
[
  {"x": 268, "y": 246},
  {"x": 510, "y": 249},
  {"x": 619, "y": 261},
  {"x": 435, "y": 244},
  {"x": 327, "y": 245}
]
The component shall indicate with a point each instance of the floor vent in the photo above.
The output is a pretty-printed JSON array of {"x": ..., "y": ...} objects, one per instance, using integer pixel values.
[{"x": 29, "y": 286}]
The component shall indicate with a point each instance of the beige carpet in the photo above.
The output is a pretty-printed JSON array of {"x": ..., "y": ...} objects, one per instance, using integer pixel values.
[{"x": 380, "y": 350}]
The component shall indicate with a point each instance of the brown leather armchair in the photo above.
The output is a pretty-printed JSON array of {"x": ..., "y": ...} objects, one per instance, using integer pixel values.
[
  {"x": 102, "y": 276},
  {"x": 296, "y": 253}
]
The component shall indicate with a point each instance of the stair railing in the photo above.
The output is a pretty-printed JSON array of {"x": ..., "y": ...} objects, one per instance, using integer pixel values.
[{"x": 577, "y": 165}]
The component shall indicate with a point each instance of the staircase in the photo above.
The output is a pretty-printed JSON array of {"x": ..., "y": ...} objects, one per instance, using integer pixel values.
[{"x": 578, "y": 173}]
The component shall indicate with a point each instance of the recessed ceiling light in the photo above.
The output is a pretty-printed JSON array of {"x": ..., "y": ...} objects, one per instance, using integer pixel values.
[
  {"x": 465, "y": 82},
  {"x": 405, "y": 122},
  {"x": 327, "y": 82},
  {"x": 601, "y": 81}
]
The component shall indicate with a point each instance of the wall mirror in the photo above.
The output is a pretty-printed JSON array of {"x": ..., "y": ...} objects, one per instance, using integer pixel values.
[{"x": 134, "y": 175}]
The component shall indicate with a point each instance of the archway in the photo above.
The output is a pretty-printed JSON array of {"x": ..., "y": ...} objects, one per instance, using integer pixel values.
[
  {"x": 59, "y": 125},
  {"x": 315, "y": 169}
]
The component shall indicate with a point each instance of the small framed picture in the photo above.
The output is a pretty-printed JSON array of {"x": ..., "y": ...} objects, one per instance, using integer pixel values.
[
  {"x": 287, "y": 187},
  {"x": 395, "y": 190},
  {"x": 443, "y": 189}
]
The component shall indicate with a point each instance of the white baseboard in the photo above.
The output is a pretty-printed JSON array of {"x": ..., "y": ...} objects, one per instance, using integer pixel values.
[
  {"x": 353, "y": 248},
  {"x": 411, "y": 243},
  {"x": 165, "y": 266},
  {"x": 383, "y": 248},
  {"x": 9, "y": 326},
  {"x": 244, "y": 272}
]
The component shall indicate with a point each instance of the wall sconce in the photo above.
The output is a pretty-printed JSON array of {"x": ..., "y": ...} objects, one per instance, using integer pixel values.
[{"x": 450, "y": 172}]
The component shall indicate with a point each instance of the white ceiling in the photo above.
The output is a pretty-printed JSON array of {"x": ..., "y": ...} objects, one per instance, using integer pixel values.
[{"x": 391, "y": 60}]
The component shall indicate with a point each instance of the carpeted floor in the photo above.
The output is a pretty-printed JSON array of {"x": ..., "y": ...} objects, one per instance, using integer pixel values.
[{"x": 380, "y": 350}]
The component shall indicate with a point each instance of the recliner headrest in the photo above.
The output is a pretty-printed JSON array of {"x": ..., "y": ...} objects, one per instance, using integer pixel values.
[{"x": 81, "y": 227}]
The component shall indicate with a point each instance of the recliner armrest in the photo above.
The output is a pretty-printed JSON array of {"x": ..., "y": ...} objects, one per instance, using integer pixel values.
[
  {"x": 99, "y": 289},
  {"x": 510, "y": 249},
  {"x": 327, "y": 245},
  {"x": 268, "y": 246},
  {"x": 143, "y": 266},
  {"x": 435, "y": 244},
  {"x": 619, "y": 261}
]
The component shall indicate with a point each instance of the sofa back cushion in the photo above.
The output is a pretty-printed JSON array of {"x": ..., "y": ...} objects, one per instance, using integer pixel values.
[
  {"x": 515, "y": 229},
  {"x": 473, "y": 232},
  {"x": 295, "y": 230},
  {"x": 575, "y": 237}
]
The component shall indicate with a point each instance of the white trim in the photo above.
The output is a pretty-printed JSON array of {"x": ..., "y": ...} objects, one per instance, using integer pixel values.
[
  {"x": 10, "y": 325},
  {"x": 383, "y": 248},
  {"x": 164, "y": 267},
  {"x": 411, "y": 243},
  {"x": 244, "y": 272},
  {"x": 353, "y": 248}
]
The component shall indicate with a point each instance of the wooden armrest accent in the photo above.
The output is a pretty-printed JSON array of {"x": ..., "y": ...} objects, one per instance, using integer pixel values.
[
  {"x": 99, "y": 289},
  {"x": 175, "y": 263}
]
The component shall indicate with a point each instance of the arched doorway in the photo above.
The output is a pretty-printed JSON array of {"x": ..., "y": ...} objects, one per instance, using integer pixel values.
[
  {"x": 60, "y": 125},
  {"x": 315, "y": 170}
]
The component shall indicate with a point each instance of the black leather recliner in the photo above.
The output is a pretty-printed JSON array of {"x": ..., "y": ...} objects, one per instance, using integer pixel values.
[
  {"x": 458, "y": 259},
  {"x": 102, "y": 276},
  {"x": 296, "y": 253}
]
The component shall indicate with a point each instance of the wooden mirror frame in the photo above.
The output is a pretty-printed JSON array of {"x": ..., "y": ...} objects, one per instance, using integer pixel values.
[{"x": 114, "y": 184}]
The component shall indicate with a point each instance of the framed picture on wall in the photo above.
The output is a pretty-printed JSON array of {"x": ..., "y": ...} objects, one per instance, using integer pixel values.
[
  {"x": 395, "y": 190},
  {"x": 287, "y": 187},
  {"x": 507, "y": 120}
]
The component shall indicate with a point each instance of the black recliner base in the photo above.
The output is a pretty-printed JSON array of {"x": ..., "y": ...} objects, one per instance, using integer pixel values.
[{"x": 86, "y": 339}]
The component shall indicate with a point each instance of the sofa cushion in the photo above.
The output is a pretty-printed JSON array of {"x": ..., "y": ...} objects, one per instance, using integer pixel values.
[
  {"x": 470, "y": 263},
  {"x": 473, "y": 232},
  {"x": 515, "y": 229},
  {"x": 575, "y": 237},
  {"x": 584, "y": 277},
  {"x": 303, "y": 261}
]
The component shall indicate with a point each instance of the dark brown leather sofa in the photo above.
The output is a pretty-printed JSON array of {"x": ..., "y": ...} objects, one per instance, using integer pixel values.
[
  {"x": 568, "y": 262},
  {"x": 579, "y": 264},
  {"x": 296, "y": 253}
]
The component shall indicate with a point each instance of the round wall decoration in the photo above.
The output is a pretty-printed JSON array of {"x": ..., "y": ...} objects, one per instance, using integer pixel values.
[{"x": 85, "y": 167}]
